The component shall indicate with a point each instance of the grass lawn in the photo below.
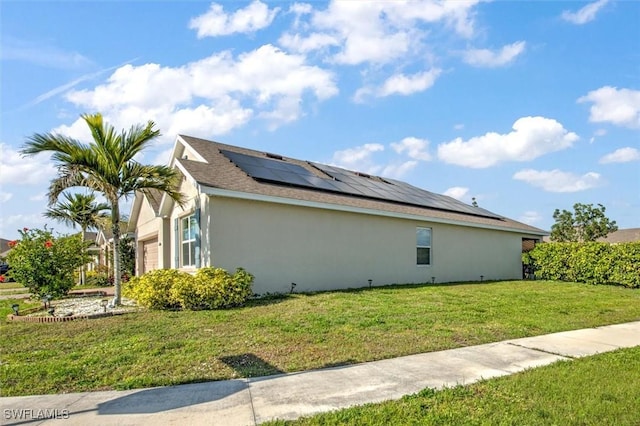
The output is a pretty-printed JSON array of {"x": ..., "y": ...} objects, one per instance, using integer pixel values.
[
  {"x": 598, "y": 390},
  {"x": 294, "y": 333}
]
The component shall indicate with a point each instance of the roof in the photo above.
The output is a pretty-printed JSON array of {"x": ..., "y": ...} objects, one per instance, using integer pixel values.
[
  {"x": 622, "y": 236},
  {"x": 212, "y": 170}
]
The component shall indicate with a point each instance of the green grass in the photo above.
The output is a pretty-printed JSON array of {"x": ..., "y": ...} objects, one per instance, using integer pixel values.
[
  {"x": 294, "y": 333},
  {"x": 8, "y": 286},
  {"x": 599, "y": 390}
]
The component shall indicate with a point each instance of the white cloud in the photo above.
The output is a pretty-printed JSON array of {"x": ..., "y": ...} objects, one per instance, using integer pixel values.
[
  {"x": 490, "y": 59},
  {"x": 210, "y": 96},
  {"x": 216, "y": 22},
  {"x": 19, "y": 170},
  {"x": 616, "y": 106},
  {"x": 531, "y": 138},
  {"x": 585, "y": 14},
  {"x": 622, "y": 155},
  {"x": 414, "y": 147},
  {"x": 358, "y": 158},
  {"x": 399, "y": 84},
  {"x": 5, "y": 196},
  {"x": 457, "y": 192},
  {"x": 458, "y": 126},
  {"x": 19, "y": 221},
  {"x": 397, "y": 171},
  {"x": 530, "y": 217},
  {"x": 559, "y": 181},
  {"x": 376, "y": 32}
]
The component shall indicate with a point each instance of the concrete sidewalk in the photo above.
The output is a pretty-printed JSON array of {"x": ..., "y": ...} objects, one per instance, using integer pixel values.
[{"x": 289, "y": 396}]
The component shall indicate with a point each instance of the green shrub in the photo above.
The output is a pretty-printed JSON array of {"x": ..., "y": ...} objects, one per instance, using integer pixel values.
[
  {"x": 593, "y": 263},
  {"x": 209, "y": 288},
  {"x": 153, "y": 289}
]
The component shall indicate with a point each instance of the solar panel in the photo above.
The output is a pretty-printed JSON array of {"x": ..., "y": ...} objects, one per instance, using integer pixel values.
[{"x": 277, "y": 170}]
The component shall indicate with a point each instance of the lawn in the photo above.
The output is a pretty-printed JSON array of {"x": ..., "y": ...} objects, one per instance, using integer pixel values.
[
  {"x": 598, "y": 390},
  {"x": 293, "y": 333}
]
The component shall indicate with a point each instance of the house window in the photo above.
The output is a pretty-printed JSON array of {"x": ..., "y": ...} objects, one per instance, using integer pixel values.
[
  {"x": 423, "y": 246},
  {"x": 189, "y": 228}
]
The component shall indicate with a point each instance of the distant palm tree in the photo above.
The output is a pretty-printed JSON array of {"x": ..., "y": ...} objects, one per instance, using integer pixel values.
[
  {"x": 78, "y": 209},
  {"x": 107, "y": 166}
]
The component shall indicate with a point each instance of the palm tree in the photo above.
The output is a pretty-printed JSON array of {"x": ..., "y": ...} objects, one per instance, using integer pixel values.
[
  {"x": 107, "y": 166},
  {"x": 78, "y": 209}
]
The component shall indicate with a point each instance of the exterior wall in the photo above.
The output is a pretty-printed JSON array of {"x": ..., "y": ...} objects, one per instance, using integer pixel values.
[
  {"x": 192, "y": 200},
  {"x": 147, "y": 227},
  {"x": 321, "y": 250}
]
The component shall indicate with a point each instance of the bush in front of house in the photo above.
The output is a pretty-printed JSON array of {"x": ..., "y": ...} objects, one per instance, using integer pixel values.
[
  {"x": 209, "y": 288},
  {"x": 593, "y": 263},
  {"x": 45, "y": 264}
]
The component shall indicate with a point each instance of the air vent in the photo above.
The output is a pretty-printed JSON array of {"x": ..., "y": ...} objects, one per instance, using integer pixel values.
[{"x": 275, "y": 156}]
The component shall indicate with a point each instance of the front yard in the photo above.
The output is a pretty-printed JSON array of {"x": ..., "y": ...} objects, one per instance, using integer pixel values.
[{"x": 293, "y": 333}]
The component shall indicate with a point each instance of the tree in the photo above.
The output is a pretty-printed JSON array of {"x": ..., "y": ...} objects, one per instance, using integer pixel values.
[
  {"x": 78, "y": 209},
  {"x": 45, "y": 264},
  {"x": 585, "y": 223},
  {"x": 107, "y": 166}
]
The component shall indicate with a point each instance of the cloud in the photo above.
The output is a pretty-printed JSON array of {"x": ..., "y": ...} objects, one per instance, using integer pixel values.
[
  {"x": 585, "y": 14},
  {"x": 397, "y": 171},
  {"x": 39, "y": 197},
  {"x": 620, "y": 107},
  {"x": 20, "y": 221},
  {"x": 622, "y": 155},
  {"x": 215, "y": 22},
  {"x": 559, "y": 181},
  {"x": 414, "y": 147},
  {"x": 19, "y": 170},
  {"x": 530, "y": 217},
  {"x": 5, "y": 196},
  {"x": 358, "y": 158},
  {"x": 211, "y": 96},
  {"x": 486, "y": 58},
  {"x": 457, "y": 192},
  {"x": 531, "y": 138},
  {"x": 42, "y": 54},
  {"x": 399, "y": 84},
  {"x": 375, "y": 32}
]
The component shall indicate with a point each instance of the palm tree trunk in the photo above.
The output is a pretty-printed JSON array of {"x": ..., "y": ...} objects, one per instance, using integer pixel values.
[
  {"x": 115, "y": 219},
  {"x": 84, "y": 252}
]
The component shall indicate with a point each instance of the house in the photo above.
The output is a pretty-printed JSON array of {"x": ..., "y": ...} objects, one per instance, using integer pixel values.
[
  {"x": 628, "y": 235},
  {"x": 322, "y": 227}
]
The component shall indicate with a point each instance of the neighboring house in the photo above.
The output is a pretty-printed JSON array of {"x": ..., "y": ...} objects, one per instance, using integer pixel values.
[
  {"x": 4, "y": 248},
  {"x": 290, "y": 221},
  {"x": 622, "y": 236}
]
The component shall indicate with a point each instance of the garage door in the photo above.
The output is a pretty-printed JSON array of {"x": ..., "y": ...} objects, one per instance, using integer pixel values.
[{"x": 149, "y": 255}]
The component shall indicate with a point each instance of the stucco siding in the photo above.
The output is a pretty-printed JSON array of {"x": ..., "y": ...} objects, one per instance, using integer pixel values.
[{"x": 321, "y": 250}]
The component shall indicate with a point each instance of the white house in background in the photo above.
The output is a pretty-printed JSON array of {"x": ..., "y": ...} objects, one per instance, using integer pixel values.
[{"x": 321, "y": 227}]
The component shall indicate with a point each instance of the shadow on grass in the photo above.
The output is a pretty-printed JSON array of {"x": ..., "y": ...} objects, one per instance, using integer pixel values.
[{"x": 250, "y": 365}]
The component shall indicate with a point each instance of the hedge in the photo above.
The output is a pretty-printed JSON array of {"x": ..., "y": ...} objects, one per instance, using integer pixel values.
[
  {"x": 209, "y": 288},
  {"x": 593, "y": 263}
]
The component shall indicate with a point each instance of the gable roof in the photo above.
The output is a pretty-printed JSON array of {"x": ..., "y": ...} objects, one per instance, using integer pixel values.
[
  {"x": 622, "y": 236},
  {"x": 216, "y": 174}
]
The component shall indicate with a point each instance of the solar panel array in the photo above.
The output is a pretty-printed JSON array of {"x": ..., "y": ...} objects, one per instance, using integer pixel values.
[{"x": 346, "y": 182}]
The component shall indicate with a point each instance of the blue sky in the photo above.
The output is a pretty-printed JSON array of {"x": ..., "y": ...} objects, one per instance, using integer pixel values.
[{"x": 526, "y": 106}]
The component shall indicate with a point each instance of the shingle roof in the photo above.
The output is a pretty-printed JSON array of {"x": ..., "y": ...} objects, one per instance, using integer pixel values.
[
  {"x": 622, "y": 236},
  {"x": 219, "y": 172}
]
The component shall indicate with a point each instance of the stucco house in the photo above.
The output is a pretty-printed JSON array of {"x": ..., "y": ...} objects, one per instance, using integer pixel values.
[{"x": 322, "y": 227}]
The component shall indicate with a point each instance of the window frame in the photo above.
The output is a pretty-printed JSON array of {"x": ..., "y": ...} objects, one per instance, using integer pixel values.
[
  {"x": 423, "y": 246},
  {"x": 190, "y": 242}
]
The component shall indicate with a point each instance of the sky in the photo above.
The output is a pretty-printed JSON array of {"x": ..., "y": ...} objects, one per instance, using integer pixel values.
[{"x": 526, "y": 106}]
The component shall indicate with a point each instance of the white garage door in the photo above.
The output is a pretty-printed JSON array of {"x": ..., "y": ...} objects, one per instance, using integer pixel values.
[{"x": 149, "y": 255}]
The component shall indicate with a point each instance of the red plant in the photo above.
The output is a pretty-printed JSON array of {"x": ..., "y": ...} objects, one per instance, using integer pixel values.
[
  {"x": 1, "y": 278},
  {"x": 48, "y": 244},
  {"x": 13, "y": 243},
  {"x": 25, "y": 229}
]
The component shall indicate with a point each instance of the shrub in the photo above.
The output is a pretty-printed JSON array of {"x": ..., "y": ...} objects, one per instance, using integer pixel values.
[
  {"x": 153, "y": 289},
  {"x": 210, "y": 288},
  {"x": 593, "y": 263},
  {"x": 46, "y": 264}
]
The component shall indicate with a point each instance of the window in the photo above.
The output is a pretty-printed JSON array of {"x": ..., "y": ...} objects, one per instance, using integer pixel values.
[
  {"x": 189, "y": 229},
  {"x": 423, "y": 244}
]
